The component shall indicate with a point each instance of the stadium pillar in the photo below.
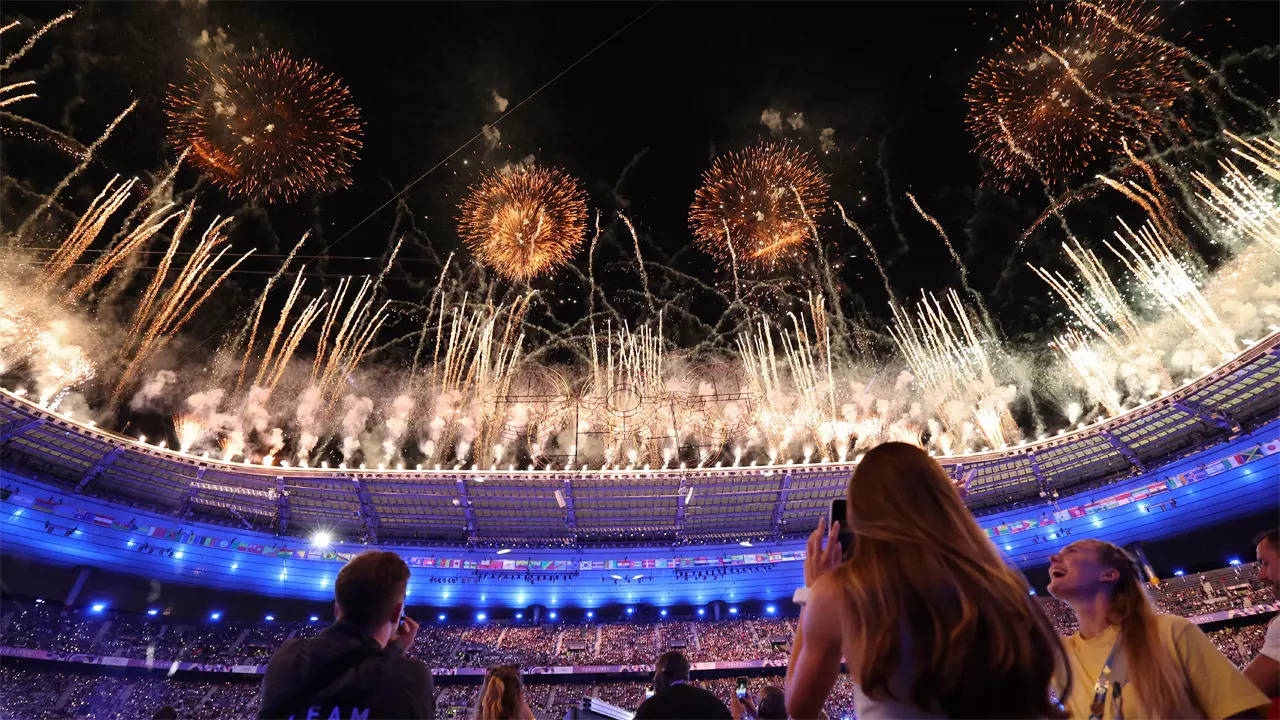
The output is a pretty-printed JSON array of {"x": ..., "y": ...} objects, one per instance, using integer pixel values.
[
  {"x": 537, "y": 614},
  {"x": 77, "y": 586},
  {"x": 715, "y": 610}
]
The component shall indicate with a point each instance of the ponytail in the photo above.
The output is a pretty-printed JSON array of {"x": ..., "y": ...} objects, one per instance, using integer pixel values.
[
  {"x": 1152, "y": 669},
  {"x": 491, "y": 699},
  {"x": 500, "y": 696}
]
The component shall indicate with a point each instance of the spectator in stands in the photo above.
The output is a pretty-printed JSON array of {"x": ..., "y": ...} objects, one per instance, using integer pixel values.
[
  {"x": 1264, "y": 670},
  {"x": 929, "y": 618},
  {"x": 770, "y": 704},
  {"x": 356, "y": 667},
  {"x": 502, "y": 696},
  {"x": 1158, "y": 665},
  {"x": 675, "y": 698}
]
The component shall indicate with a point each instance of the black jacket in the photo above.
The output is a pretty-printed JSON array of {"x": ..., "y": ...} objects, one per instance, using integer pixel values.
[
  {"x": 343, "y": 671},
  {"x": 683, "y": 702}
]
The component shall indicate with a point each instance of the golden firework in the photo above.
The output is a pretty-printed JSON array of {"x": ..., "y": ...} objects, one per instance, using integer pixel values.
[
  {"x": 524, "y": 222},
  {"x": 1076, "y": 81},
  {"x": 756, "y": 207},
  {"x": 266, "y": 125}
]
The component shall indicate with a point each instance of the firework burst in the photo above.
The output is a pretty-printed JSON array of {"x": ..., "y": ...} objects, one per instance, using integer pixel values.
[
  {"x": 755, "y": 208},
  {"x": 267, "y": 125},
  {"x": 524, "y": 222},
  {"x": 1077, "y": 80}
]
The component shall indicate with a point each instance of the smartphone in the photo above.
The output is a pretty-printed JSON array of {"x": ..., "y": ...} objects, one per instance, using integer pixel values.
[
  {"x": 648, "y": 691},
  {"x": 845, "y": 536},
  {"x": 741, "y": 688}
]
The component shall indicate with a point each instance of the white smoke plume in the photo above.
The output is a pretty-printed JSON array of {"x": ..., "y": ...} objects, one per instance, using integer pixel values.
[
  {"x": 771, "y": 119},
  {"x": 827, "y": 139},
  {"x": 151, "y": 393},
  {"x": 499, "y": 103},
  {"x": 354, "y": 418}
]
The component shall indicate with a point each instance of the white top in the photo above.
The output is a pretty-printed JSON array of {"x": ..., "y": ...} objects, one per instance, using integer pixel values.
[
  {"x": 889, "y": 709},
  {"x": 1271, "y": 643}
]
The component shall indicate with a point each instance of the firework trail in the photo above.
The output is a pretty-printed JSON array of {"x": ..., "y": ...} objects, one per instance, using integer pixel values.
[
  {"x": 1097, "y": 304},
  {"x": 644, "y": 276},
  {"x": 875, "y": 256},
  {"x": 1167, "y": 279},
  {"x": 15, "y": 87},
  {"x": 964, "y": 271},
  {"x": 426, "y": 322},
  {"x": 31, "y": 41},
  {"x": 84, "y": 163},
  {"x": 256, "y": 316},
  {"x": 86, "y": 229},
  {"x": 108, "y": 260},
  {"x": 1091, "y": 368},
  {"x": 1242, "y": 202}
]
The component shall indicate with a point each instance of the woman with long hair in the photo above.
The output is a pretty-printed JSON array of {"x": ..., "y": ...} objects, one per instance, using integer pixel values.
[
  {"x": 1145, "y": 664},
  {"x": 928, "y": 617},
  {"x": 502, "y": 695}
]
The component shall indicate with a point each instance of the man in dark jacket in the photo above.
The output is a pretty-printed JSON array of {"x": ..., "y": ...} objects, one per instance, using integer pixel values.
[
  {"x": 675, "y": 698},
  {"x": 356, "y": 668}
]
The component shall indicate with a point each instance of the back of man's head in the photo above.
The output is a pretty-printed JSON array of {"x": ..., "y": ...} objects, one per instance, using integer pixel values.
[
  {"x": 370, "y": 587},
  {"x": 773, "y": 703},
  {"x": 671, "y": 667}
]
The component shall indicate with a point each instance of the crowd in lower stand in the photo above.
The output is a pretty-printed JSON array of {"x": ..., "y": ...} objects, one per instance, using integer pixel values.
[{"x": 81, "y": 691}]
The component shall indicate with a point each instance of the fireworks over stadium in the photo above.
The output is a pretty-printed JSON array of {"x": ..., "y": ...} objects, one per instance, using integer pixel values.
[{"x": 623, "y": 295}]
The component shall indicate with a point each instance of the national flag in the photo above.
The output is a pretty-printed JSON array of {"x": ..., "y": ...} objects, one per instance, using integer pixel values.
[
  {"x": 1002, "y": 529},
  {"x": 987, "y": 531},
  {"x": 44, "y": 505},
  {"x": 1061, "y": 516},
  {"x": 158, "y": 532},
  {"x": 1270, "y": 447},
  {"x": 1248, "y": 456},
  {"x": 1076, "y": 511},
  {"x": 1218, "y": 466},
  {"x": 123, "y": 527}
]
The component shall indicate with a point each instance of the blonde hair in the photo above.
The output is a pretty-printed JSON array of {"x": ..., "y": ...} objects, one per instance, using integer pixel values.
[
  {"x": 928, "y": 595},
  {"x": 500, "y": 695},
  {"x": 1152, "y": 670}
]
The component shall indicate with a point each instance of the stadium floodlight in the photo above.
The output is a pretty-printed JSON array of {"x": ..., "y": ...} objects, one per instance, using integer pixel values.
[
  {"x": 440, "y": 617},
  {"x": 1008, "y": 546},
  {"x": 1178, "y": 572},
  {"x": 321, "y": 539},
  {"x": 39, "y": 601},
  {"x": 481, "y": 617},
  {"x": 771, "y": 609},
  {"x": 702, "y": 612},
  {"x": 1233, "y": 561},
  {"x": 98, "y": 607},
  {"x": 315, "y": 618},
  {"x": 637, "y": 577},
  {"x": 630, "y": 610},
  {"x": 504, "y": 551},
  {"x": 745, "y": 543},
  {"x": 178, "y": 555},
  {"x": 235, "y": 566},
  {"x": 153, "y": 612},
  {"x": 519, "y": 616},
  {"x": 269, "y": 618},
  {"x": 616, "y": 577},
  {"x": 215, "y": 615},
  {"x": 590, "y": 614},
  {"x": 552, "y": 615},
  {"x": 663, "y": 612},
  {"x": 733, "y": 611}
]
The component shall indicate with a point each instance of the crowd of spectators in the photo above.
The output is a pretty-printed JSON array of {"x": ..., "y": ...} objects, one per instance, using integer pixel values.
[{"x": 1240, "y": 644}]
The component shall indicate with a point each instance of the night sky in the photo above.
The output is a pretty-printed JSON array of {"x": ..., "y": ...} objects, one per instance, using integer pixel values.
[{"x": 638, "y": 120}]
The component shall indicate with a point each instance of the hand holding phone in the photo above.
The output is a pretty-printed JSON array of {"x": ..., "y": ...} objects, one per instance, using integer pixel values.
[
  {"x": 838, "y": 517},
  {"x": 741, "y": 688}
]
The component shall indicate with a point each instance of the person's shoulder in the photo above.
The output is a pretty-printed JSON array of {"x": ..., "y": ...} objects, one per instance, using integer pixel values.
[
  {"x": 1175, "y": 625},
  {"x": 408, "y": 666}
]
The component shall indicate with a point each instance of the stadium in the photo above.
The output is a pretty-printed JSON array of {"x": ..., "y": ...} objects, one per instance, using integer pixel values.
[{"x": 323, "y": 288}]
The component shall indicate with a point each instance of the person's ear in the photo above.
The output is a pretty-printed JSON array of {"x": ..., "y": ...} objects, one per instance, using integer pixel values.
[
  {"x": 337, "y": 610},
  {"x": 1109, "y": 575}
]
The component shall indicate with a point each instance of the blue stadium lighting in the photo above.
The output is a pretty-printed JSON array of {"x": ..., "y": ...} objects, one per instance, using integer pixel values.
[
  {"x": 235, "y": 566},
  {"x": 590, "y": 614},
  {"x": 1233, "y": 561},
  {"x": 1142, "y": 507},
  {"x": 440, "y": 617},
  {"x": 733, "y": 611},
  {"x": 321, "y": 539},
  {"x": 178, "y": 555},
  {"x": 17, "y": 513},
  {"x": 131, "y": 543},
  {"x": 270, "y": 618},
  {"x": 663, "y": 612},
  {"x": 1032, "y": 591},
  {"x": 98, "y": 607},
  {"x": 481, "y": 617},
  {"x": 215, "y": 615},
  {"x": 519, "y": 616},
  {"x": 771, "y": 609},
  {"x": 1178, "y": 572},
  {"x": 552, "y": 615},
  {"x": 1053, "y": 536},
  {"x": 315, "y": 618},
  {"x": 702, "y": 612},
  {"x": 504, "y": 551},
  {"x": 39, "y": 601},
  {"x": 153, "y": 612},
  {"x": 630, "y": 610},
  {"x": 1097, "y": 522},
  {"x": 1008, "y": 546}
]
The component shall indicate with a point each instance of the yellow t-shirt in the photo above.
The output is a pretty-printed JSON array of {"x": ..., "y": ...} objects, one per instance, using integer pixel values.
[{"x": 1215, "y": 687}]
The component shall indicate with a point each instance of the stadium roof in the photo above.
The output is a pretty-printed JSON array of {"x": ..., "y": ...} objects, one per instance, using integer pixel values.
[{"x": 574, "y": 507}]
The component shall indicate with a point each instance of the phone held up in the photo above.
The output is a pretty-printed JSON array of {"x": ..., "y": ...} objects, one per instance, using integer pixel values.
[
  {"x": 839, "y": 514},
  {"x": 741, "y": 688}
]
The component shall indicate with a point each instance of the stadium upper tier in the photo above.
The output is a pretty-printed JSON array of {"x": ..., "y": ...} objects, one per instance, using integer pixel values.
[{"x": 592, "y": 505}]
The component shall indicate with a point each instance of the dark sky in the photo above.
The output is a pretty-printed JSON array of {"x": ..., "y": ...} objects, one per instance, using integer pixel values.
[{"x": 684, "y": 82}]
